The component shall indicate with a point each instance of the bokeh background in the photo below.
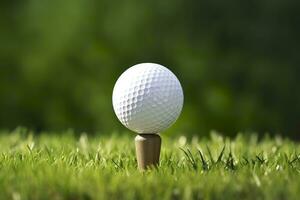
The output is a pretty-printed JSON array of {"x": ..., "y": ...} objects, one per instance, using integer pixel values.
[{"x": 238, "y": 62}]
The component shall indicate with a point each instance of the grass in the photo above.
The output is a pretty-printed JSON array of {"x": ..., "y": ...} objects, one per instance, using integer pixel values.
[{"x": 64, "y": 166}]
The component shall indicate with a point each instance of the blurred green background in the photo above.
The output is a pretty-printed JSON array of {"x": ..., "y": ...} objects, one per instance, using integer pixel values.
[{"x": 238, "y": 62}]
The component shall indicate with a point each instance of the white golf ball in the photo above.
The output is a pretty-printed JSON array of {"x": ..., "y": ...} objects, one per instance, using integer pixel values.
[{"x": 147, "y": 98}]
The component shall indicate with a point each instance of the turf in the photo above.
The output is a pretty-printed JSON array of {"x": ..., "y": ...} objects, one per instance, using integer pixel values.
[{"x": 66, "y": 166}]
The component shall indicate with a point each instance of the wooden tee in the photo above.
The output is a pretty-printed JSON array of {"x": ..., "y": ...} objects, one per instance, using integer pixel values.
[{"x": 147, "y": 148}]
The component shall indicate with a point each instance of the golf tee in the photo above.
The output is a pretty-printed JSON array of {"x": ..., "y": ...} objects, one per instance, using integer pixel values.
[{"x": 147, "y": 150}]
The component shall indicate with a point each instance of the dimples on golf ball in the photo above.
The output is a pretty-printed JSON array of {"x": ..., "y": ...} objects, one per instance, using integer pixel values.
[{"x": 147, "y": 98}]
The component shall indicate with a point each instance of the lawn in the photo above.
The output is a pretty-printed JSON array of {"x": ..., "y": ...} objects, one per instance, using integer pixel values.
[{"x": 68, "y": 166}]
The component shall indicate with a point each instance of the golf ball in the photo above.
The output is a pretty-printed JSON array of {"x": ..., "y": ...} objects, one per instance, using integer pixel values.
[{"x": 147, "y": 98}]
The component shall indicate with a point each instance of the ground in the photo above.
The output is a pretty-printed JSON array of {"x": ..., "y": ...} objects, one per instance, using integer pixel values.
[{"x": 68, "y": 166}]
